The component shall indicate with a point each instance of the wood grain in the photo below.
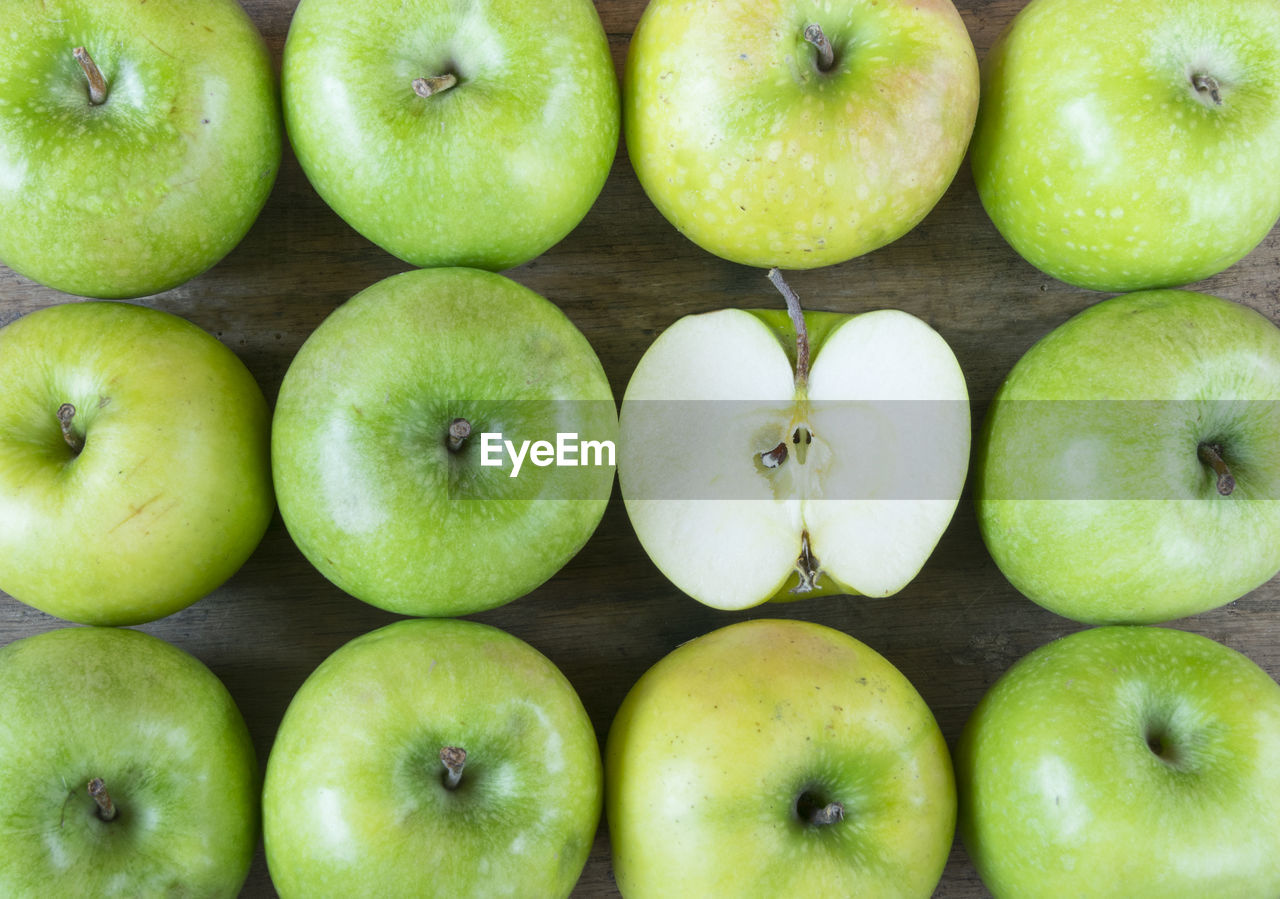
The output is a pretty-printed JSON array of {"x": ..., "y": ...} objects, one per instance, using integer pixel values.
[{"x": 623, "y": 276}]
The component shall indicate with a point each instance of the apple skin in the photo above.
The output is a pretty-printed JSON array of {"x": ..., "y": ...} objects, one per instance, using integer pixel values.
[
  {"x": 166, "y": 738},
  {"x": 759, "y": 157},
  {"x": 489, "y": 173},
  {"x": 1099, "y": 161},
  {"x": 152, "y": 187},
  {"x": 1090, "y": 493},
  {"x": 1061, "y": 793},
  {"x": 713, "y": 746},
  {"x": 354, "y": 802},
  {"x": 367, "y": 487},
  {"x": 171, "y": 492}
]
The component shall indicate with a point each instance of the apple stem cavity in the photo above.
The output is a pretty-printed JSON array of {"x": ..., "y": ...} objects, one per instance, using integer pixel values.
[
  {"x": 806, "y": 566},
  {"x": 797, "y": 320},
  {"x": 826, "y": 54},
  {"x": 1211, "y": 454},
  {"x": 1207, "y": 84},
  {"x": 454, "y": 759},
  {"x": 67, "y": 412},
  {"x": 459, "y": 431},
  {"x": 92, "y": 74},
  {"x": 434, "y": 84},
  {"x": 106, "y": 808},
  {"x": 813, "y": 811}
]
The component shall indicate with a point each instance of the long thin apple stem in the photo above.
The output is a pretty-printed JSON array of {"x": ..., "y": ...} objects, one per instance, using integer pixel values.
[
  {"x": 106, "y": 808},
  {"x": 454, "y": 759},
  {"x": 1211, "y": 454},
  {"x": 66, "y": 412},
  {"x": 92, "y": 74},
  {"x": 797, "y": 320},
  {"x": 435, "y": 84},
  {"x": 1207, "y": 84},
  {"x": 459, "y": 431},
  {"x": 826, "y": 55}
]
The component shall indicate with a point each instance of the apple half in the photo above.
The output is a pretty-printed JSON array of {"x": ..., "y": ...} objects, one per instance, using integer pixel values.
[{"x": 775, "y": 455}]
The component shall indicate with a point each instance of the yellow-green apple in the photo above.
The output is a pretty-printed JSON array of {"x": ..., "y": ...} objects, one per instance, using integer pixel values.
[
  {"x": 772, "y": 455},
  {"x": 1125, "y": 761},
  {"x": 1123, "y": 146},
  {"x": 432, "y": 757},
  {"x": 1129, "y": 467},
  {"x": 777, "y": 758},
  {"x": 125, "y": 770},
  {"x": 138, "y": 141},
  {"x": 798, "y": 133},
  {"x": 408, "y": 439},
  {"x": 134, "y": 462},
  {"x": 475, "y": 134}
]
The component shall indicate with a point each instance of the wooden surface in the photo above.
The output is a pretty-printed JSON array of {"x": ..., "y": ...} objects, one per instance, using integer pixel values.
[{"x": 623, "y": 276}]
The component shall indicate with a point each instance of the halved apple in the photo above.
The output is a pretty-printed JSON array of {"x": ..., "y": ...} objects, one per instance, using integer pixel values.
[{"x": 774, "y": 455}]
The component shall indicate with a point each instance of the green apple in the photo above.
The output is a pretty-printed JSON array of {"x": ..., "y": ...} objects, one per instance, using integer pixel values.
[
  {"x": 1122, "y": 146},
  {"x": 777, "y": 758},
  {"x": 125, "y": 770},
  {"x": 134, "y": 468},
  {"x": 798, "y": 133},
  {"x": 771, "y": 455},
  {"x": 1129, "y": 466},
  {"x": 1128, "y": 762},
  {"x": 432, "y": 757},
  {"x": 383, "y": 493},
  {"x": 138, "y": 141},
  {"x": 475, "y": 134}
]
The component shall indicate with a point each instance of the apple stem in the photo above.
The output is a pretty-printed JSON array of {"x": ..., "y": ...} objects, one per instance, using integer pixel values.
[
  {"x": 826, "y": 55},
  {"x": 1207, "y": 84},
  {"x": 797, "y": 320},
  {"x": 435, "y": 84},
  {"x": 807, "y": 566},
  {"x": 1211, "y": 454},
  {"x": 453, "y": 758},
  {"x": 459, "y": 431},
  {"x": 66, "y": 412},
  {"x": 93, "y": 74},
  {"x": 106, "y": 808},
  {"x": 828, "y": 814}
]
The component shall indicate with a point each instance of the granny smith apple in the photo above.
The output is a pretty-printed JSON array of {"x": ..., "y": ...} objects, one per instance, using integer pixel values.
[
  {"x": 777, "y": 758},
  {"x": 475, "y": 134},
  {"x": 417, "y": 441},
  {"x": 138, "y": 141},
  {"x": 772, "y": 455},
  {"x": 797, "y": 133},
  {"x": 432, "y": 757},
  {"x": 1127, "y": 762},
  {"x": 134, "y": 462},
  {"x": 125, "y": 770},
  {"x": 1129, "y": 466},
  {"x": 1122, "y": 146}
]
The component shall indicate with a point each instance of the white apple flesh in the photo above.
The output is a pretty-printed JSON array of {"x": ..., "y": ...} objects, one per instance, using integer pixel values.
[{"x": 747, "y": 476}]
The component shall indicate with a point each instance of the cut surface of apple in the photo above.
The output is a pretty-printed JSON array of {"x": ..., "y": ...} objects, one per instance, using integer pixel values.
[{"x": 760, "y": 460}]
